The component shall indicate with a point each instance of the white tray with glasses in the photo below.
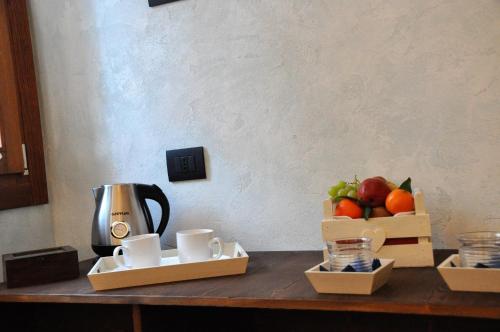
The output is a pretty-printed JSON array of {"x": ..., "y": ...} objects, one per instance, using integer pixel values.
[
  {"x": 107, "y": 274},
  {"x": 469, "y": 279}
]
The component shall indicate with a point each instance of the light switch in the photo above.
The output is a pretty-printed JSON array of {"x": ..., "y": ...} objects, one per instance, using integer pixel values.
[
  {"x": 153, "y": 3},
  {"x": 186, "y": 164}
]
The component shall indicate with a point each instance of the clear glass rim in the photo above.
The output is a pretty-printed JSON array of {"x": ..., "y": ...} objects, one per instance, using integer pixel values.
[
  {"x": 350, "y": 240},
  {"x": 479, "y": 236}
]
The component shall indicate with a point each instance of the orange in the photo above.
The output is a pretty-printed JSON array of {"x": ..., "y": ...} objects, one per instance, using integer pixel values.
[
  {"x": 349, "y": 208},
  {"x": 399, "y": 200}
]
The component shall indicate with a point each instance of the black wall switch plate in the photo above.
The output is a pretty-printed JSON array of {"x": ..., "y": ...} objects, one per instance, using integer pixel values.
[
  {"x": 153, "y": 3},
  {"x": 186, "y": 164}
]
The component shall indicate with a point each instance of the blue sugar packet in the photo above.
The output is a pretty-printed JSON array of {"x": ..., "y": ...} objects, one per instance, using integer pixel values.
[
  {"x": 376, "y": 264},
  {"x": 360, "y": 266},
  {"x": 348, "y": 268},
  {"x": 356, "y": 266}
]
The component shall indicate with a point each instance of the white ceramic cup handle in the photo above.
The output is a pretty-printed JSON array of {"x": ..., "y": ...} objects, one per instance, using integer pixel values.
[
  {"x": 219, "y": 241},
  {"x": 117, "y": 260}
]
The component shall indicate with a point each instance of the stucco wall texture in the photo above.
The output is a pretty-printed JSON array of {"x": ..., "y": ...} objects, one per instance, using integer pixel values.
[
  {"x": 287, "y": 97},
  {"x": 25, "y": 229}
]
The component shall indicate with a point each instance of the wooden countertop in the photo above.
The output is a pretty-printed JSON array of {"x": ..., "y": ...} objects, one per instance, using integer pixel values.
[{"x": 277, "y": 280}]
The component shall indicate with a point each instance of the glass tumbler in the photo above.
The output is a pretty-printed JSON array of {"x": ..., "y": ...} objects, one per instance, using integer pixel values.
[
  {"x": 480, "y": 247},
  {"x": 356, "y": 252}
]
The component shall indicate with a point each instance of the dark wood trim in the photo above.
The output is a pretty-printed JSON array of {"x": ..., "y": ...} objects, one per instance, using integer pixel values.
[
  {"x": 397, "y": 308},
  {"x": 10, "y": 120},
  {"x": 136, "y": 318},
  {"x": 15, "y": 191},
  {"x": 16, "y": 195}
]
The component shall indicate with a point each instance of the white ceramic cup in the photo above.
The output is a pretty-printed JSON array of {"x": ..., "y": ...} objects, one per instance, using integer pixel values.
[
  {"x": 195, "y": 245},
  {"x": 139, "y": 251}
]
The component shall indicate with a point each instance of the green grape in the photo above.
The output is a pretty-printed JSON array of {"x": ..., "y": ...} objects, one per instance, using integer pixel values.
[
  {"x": 349, "y": 188},
  {"x": 352, "y": 194},
  {"x": 333, "y": 191},
  {"x": 340, "y": 189},
  {"x": 342, "y": 192}
]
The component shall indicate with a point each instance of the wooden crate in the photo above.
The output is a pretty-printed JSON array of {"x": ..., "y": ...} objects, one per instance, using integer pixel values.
[{"x": 405, "y": 238}]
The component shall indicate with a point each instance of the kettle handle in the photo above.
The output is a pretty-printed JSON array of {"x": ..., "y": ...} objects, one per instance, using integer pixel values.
[{"x": 154, "y": 192}]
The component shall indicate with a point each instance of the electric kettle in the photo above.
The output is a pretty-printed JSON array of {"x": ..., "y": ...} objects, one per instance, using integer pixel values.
[{"x": 121, "y": 211}]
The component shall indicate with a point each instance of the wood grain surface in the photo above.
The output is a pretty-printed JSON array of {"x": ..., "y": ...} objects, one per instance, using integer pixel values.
[{"x": 277, "y": 280}]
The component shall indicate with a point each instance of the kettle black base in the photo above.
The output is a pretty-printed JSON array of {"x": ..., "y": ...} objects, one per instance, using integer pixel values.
[{"x": 103, "y": 251}]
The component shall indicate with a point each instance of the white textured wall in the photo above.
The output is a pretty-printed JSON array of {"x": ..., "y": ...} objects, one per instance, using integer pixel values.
[
  {"x": 286, "y": 96},
  {"x": 25, "y": 229}
]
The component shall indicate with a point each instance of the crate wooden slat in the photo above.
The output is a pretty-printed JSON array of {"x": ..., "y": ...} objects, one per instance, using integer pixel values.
[
  {"x": 379, "y": 229},
  {"x": 394, "y": 227}
]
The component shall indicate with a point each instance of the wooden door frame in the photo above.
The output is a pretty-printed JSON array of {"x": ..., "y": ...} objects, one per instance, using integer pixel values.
[
  {"x": 10, "y": 119},
  {"x": 24, "y": 190}
]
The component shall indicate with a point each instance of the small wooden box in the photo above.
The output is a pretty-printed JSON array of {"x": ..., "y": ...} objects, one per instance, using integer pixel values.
[
  {"x": 40, "y": 266},
  {"x": 406, "y": 238},
  {"x": 362, "y": 283},
  {"x": 469, "y": 279}
]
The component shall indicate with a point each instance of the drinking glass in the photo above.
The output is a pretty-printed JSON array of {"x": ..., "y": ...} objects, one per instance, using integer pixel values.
[
  {"x": 356, "y": 252},
  {"x": 480, "y": 247}
]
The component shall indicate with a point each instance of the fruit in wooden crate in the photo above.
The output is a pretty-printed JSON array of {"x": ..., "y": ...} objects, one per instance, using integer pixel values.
[
  {"x": 349, "y": 208},
  {"x": 391, "y": 185},
  {"x": 373, "y": 198},
  {"x": 399, "y": 200},
  {"x": 379, "y": 177},
  {"x": 344, "y": 190},
  {"x": 372, "y": 192},
  {"x": 380, "y": 211}
]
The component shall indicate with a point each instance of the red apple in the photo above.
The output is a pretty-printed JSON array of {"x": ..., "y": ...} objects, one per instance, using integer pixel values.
[
  {"x": 379, "y": 177},
  {"x": 373, "y": 191}
]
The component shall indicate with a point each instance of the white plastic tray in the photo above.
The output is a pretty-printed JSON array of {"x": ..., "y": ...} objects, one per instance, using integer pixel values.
[
  {"x": 469, "y": 279},
  {"x": 105, "y": 274}
]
